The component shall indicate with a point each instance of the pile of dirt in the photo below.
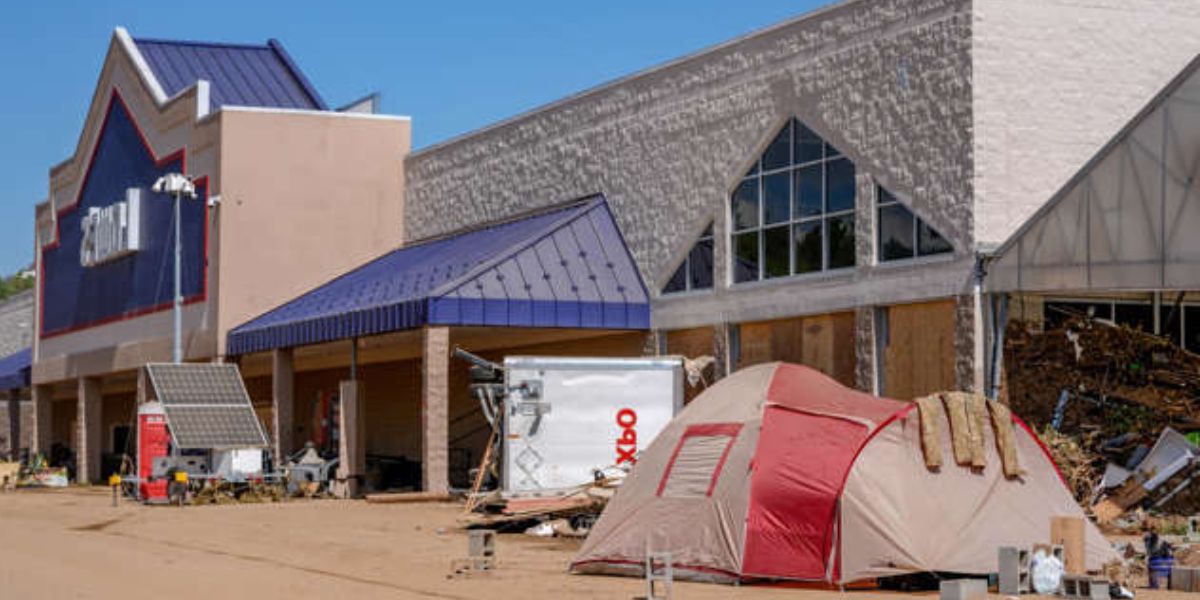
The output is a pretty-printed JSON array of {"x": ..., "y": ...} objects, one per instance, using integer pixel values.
[
  {"x": 1101, "y": 395},
  {"x": 1119, "y": 379}
]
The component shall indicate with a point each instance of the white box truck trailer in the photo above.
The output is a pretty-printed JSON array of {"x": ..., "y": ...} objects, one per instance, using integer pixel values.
[{"x": 566, "y": 418}]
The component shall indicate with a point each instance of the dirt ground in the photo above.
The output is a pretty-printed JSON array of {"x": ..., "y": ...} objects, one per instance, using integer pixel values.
[{"x": 74, "y": 544}]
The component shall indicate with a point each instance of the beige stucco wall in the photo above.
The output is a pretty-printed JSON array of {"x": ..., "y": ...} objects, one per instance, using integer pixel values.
[
  {"x": 305, "y": 197},
  {"x": 1054, "y": 80}
]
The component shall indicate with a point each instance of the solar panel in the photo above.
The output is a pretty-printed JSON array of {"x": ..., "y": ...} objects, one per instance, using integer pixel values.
[
  {"x": 198, "y": 384},
  {"x": 207, "y": 406}
]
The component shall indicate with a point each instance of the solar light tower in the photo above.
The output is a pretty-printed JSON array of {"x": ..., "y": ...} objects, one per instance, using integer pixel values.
[{"x": 179, "y": 186}]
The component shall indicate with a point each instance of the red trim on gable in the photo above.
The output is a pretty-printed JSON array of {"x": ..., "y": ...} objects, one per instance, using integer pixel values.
[{"x": 181, "y": 156}]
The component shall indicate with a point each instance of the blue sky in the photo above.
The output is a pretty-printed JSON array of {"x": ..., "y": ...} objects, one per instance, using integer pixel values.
[{"x": 451, "y": 66}]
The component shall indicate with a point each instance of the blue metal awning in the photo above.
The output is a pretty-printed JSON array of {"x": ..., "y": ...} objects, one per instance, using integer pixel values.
[
  {"x": 568, "y": 268},
  {"x": 14, "y": 370}
]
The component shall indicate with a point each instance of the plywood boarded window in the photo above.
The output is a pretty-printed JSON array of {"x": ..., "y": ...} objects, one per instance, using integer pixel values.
[
  {"x": 918, "y": 351},
  {"x": 696, "y": 464},
  {"x": 823, "y": 342}
]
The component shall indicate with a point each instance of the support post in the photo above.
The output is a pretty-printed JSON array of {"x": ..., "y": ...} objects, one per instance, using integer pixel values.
[
  {"x": 435, "y": 410},
  {"x": 866, "y": 357},
  {"x": 14, "y": 425},
  {"x": 283, "y": 402},
  {"x": 43, "y": 419},
  {"x": 87, "y": 448},
  {"x": 352, "y": 447}
]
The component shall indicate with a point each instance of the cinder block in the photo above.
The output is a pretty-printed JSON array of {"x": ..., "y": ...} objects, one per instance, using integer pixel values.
[
  {"x": 1013, "y": 571},
  {"x": 1185, "y": 579},
  {"x": 963, "y": 589},
  {"x": 1099, "y": 590}
]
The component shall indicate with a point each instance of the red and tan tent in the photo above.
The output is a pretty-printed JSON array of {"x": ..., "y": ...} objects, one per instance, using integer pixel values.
[{"x": 779, "y": 472}]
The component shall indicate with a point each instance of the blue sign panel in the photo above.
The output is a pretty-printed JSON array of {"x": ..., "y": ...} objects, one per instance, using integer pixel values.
[{"x": 114, "y": 255}]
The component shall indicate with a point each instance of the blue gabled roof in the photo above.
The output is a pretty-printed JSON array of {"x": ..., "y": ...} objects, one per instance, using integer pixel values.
[
  {"x": 238, "y": 74},
  {"x": 14, "y": 370},
  {"x": 568, "y": 267}
]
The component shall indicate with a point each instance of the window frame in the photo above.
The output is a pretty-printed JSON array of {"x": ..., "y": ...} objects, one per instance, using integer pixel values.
[
  {"x": 830, "y": 155},
  {"x": 708, "y": 234},
  {"x": 915, "y": 238}
]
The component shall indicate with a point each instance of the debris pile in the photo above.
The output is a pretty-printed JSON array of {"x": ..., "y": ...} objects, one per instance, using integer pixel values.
[
  {"x": 578, "y": 506},
  {"x": 1106, "y": 398},
  {"x": 1091, "y": 374}
]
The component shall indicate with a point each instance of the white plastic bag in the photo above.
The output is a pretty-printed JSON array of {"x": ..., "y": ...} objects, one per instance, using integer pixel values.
[{"x": 1047, "y": 573}]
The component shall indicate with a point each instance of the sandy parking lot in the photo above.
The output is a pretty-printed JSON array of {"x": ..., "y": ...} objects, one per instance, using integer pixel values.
[{"x": 73, "y": 544}]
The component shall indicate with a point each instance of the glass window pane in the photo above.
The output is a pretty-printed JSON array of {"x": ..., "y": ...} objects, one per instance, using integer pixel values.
[
  {"x": 895, "y": 232},
  {"x": 808, "y": 247},
  {"x": 708, "y": 232},
  {"x": 841, "y": 241},
  {"x": 700, "y": 265},
  {"x": 830, "y": 151},
  {"x": 779, "y": 153},
  {"x": 777, "y": 198},
  {"x": 753, "y": 170},
  {"x": 777, "y": 262},
  {"x": 808, "y": 191},
  {"x": 745, "y": 205},
  {"x": 1137, "y": 316},
  {"x": 1191, "y": 328},
  {"x": 930, "y": 241},
  {"x": 840, "y": 185},
  {"x": 808, "y": 144},
  {"x": 678, "y": 281},
  {"x": 745, "y": 257}
]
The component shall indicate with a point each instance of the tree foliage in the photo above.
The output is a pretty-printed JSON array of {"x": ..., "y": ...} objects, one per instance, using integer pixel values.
[{"x": 15, "y": 284}]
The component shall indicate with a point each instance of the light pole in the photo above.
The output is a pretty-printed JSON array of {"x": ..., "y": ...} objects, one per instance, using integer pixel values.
[{"x": 179, "y": 186}]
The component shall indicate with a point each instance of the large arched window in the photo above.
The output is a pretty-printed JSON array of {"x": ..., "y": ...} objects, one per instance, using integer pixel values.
[{"x": 793, "y": 212}]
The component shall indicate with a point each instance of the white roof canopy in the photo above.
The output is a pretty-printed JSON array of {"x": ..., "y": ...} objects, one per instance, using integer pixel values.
[{"x": 1129, "y": 219}]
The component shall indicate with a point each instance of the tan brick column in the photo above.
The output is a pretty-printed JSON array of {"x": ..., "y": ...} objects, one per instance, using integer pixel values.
[
  {"x": 88, "y": 432},
  {"x": 435, "y": 410},
  {"x": 43, "y": 419},
  {"x": 283, "y": 402},
  {"x": 352, "y": 447}
]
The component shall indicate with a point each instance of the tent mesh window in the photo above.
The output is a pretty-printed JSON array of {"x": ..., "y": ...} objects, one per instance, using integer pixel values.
[
  {"x": 793, "y": 212},
  {"x": 902, "y": 234},
  {"x": 696, "y": 271},
  {"x": 697, "y": 462}
]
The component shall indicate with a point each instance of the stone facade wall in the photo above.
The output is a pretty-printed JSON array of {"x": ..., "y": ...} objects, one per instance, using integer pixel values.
[
  {"x": 887, "y": 82},
  {"x": 16, "y": 323}
]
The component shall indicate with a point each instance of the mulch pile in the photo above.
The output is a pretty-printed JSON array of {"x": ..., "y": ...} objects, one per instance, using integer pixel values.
[{"x": 1125, "y": 386}]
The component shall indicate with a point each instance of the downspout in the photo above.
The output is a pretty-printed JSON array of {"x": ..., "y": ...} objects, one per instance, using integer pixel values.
[
  {"x": 978, "y": 348},
  {"x": 996, "y": 323}
]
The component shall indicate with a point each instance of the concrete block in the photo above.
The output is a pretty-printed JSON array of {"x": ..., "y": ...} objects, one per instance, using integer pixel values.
[
  {"x": 1185, "y": 579},
  {"x": 963, "y": 589},
  {"x": 1099, "y": 590},
  {"x": 1013, "y": 571}
]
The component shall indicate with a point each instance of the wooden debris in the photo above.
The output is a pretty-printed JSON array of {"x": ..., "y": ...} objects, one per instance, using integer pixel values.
[{"x": 406, "y": 497}]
